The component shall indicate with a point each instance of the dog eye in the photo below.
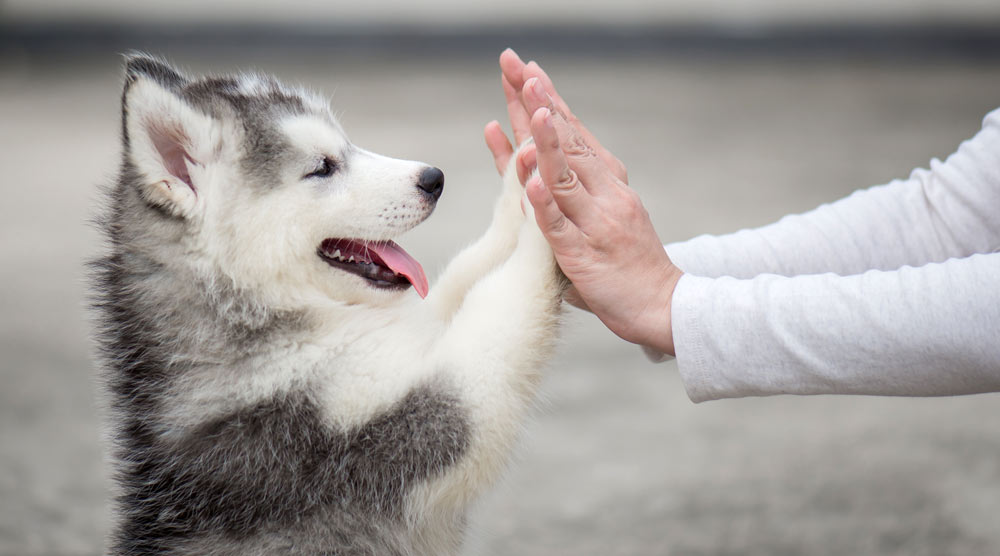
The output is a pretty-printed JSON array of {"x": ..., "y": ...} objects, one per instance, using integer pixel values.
[{"x": 326, "y": 169}]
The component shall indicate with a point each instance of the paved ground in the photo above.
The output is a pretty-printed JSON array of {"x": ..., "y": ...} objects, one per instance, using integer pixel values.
[{"x": 619, "y": 461}]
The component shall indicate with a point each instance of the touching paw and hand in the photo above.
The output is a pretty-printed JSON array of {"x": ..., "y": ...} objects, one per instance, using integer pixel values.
[{"x": 599, "y": 231}]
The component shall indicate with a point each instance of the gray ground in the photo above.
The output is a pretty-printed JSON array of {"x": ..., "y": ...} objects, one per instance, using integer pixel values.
[{"x": 619, "y": 461}]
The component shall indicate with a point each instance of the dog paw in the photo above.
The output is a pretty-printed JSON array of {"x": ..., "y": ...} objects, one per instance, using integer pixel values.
[
  {"x": 511, "y": 206},
  {"x": 530, "y": 235}
]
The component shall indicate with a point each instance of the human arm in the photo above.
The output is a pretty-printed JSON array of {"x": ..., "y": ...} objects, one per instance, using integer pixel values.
[
  {"x": 921, "y": 331},
  {"x": 948, "y": 210},
  {"x": 839, "y": 351},
  {"x": 924, "y": 331}
]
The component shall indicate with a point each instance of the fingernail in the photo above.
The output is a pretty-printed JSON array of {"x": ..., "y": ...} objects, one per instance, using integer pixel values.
[
  {"x": 537, "y": 88},
  {"x": 548, "y": 118}
]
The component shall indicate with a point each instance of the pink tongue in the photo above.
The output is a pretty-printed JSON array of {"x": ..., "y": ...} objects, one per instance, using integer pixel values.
[{"x": 402, "y": 263}]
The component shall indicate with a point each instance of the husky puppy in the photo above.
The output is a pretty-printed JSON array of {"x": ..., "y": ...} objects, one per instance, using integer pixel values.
[{"x": 275, "y": 387}]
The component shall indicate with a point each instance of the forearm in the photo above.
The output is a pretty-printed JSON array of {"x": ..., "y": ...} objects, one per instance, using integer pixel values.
[
  {"x": 946, "y": 211},
  {"x": 922, "y": 331}
]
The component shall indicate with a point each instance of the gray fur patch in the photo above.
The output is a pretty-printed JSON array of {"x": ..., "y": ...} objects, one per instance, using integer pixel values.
[
  {"x": 266, "y": 470},
  {"x": 270, "y": 478},
  {"x": 226, "y": 98},
  {"x": 265, "y": 146}
]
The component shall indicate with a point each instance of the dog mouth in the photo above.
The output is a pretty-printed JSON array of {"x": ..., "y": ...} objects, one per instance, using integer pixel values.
[{"x": 383, "y": 263}]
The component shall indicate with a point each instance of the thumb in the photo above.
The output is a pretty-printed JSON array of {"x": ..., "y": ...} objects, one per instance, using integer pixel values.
[{"x": 559, "y": 231}]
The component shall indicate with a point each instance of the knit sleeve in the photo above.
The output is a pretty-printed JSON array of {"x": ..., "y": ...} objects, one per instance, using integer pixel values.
[
  {"x": 950, "y": 210},
  {"x": 927, "y": 331}
]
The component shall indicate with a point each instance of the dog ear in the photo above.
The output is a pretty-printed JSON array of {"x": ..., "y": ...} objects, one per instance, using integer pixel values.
[{"x": 166, "y": 139}]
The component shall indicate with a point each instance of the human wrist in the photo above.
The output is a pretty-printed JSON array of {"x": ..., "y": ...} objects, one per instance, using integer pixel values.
[{"x": 655, "y": 328}]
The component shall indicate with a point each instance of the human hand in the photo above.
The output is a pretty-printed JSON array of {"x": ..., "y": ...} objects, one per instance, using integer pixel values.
[
  {"x": 514, "y": 73},
  {"x": 599, "y": 231}
]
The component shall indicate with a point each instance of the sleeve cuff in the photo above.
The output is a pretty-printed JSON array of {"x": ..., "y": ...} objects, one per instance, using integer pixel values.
[
  {"x": 690, "y": 293},
  {"x": 690, "y": 297}
]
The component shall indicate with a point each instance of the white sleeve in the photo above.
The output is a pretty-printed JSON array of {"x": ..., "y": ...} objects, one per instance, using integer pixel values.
[
  {"x": 950, "y": 210},
  {"x": 772, "y": 323},
  {"x": 933, "y": 330}
]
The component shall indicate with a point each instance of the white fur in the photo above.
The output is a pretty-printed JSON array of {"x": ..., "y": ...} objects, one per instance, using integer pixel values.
[{"x": 487, "y": 326}]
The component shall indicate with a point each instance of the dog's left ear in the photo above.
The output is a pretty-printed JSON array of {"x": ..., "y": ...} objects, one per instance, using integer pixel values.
[{"x": 168, "y": 141}]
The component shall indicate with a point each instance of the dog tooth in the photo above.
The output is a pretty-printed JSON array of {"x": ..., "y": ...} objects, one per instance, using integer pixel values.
[
  {"x": 336, "y": 254},
  {"x": 351, "y": 260}
]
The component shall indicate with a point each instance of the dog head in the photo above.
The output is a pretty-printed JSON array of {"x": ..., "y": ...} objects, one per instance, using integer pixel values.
[{"x": 248, "y": 178}]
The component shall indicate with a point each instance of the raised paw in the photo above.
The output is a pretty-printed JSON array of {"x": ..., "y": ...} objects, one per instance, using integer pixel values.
[{"x": 510, "y": 208}]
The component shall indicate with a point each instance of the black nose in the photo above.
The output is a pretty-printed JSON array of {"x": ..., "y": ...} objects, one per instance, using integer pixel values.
[{"x": 431, "y": 181}]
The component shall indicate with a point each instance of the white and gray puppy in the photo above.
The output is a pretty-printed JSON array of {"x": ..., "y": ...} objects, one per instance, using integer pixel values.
[{"x": 274, "y": 385}]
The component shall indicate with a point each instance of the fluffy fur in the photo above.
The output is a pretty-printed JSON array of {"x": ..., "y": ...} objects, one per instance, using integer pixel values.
[{"x": 265, "y": 401}]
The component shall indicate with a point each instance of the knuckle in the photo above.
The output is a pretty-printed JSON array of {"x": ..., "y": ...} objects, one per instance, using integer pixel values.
[
  {"x": 629, "y": 204},
  {"x": 567, "y": 180},
  {"x": 576, "y": 147}
]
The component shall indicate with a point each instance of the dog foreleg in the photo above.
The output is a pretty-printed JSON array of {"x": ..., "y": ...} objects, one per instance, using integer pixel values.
[
  {"x": 485, "y": 254},
  {"x": 495, "y": 347}
]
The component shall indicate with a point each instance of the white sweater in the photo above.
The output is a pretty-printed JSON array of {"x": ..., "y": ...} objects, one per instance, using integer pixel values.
[{"x": 894, "y": 290}]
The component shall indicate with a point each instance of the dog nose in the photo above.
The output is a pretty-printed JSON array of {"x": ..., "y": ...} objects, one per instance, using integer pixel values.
[{"x": 431, "y": 181}]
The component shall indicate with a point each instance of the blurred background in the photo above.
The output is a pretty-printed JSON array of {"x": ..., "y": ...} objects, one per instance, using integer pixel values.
[{"x": 728, "y": 113}]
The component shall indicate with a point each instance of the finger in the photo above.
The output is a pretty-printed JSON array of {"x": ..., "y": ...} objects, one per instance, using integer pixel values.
[
  {"x": 526, "y": 162},
  {"x": 499, "y": 146},
  {"x": 512, "y": 68},
  {"x": 594, "y": 173},
  {"x": 559, "y": 231},
  {"x": 520, "y": 119},
  {"x": 532, "y": 69},
  {"x": 553, "y": 169}
]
